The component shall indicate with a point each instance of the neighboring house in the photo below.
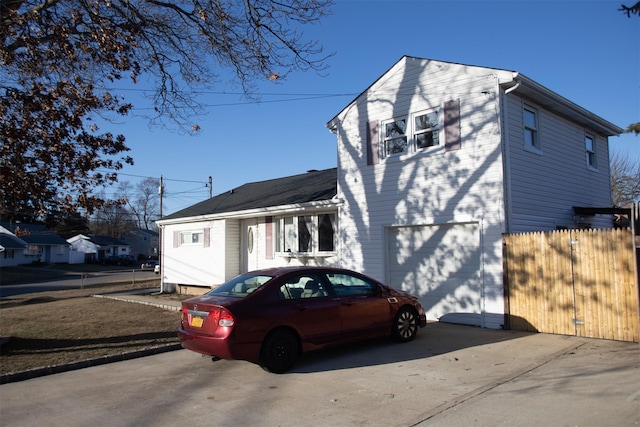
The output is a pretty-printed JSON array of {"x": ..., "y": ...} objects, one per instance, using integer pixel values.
[
  {"x": 13, "y": 251},
  {"x": 261, "y": 224},
  {"x": 95, "y": 249},
  {"x": 436, "y": 160},
  {"x": 142, "y": 243},
  {"x": 43, "y": 245}
]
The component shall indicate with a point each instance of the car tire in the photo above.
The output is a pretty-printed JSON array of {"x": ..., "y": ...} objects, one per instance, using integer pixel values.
[
  {"x": 405, "y": 325},
  {"x": 280, "y": 351}
]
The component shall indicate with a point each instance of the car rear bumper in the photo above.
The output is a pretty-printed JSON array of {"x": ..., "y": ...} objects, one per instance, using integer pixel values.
[{"x": 223, "y": 348}]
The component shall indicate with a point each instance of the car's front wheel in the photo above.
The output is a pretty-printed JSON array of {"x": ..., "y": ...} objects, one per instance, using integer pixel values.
[
  {"x": 405, "y": 325},
  {"x": 280, "y": 350}
]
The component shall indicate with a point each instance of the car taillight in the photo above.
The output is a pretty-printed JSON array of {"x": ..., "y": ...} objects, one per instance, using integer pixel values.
[{"x": 222, "y": 317}]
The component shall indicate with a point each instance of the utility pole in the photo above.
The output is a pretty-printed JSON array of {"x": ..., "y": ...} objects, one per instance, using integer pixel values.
[
  {"x": 160, "y": 240},
  {"x": 210, "y": 187},
  {"x": 161, "y": 193}
]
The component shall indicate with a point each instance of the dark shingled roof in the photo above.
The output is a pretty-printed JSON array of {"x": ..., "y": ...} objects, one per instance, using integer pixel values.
[
  {"x": 35, "y": 234},
  {"x": 8, "y": 241},
  {"x": 106, "y": 240},
  {"x": 308, "y": 187}
]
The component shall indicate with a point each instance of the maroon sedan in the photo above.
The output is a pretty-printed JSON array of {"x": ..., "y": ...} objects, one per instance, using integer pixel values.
[{"x": 271, "y": 316}]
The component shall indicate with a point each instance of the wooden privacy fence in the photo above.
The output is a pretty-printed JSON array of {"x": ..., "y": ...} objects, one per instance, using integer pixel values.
[{"x": 572, "y": 282}]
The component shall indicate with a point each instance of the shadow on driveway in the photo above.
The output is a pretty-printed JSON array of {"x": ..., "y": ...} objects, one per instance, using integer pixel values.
[{"x": 435, "y": 339}]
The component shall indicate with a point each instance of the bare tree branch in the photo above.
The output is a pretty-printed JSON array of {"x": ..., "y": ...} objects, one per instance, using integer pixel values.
[{"x": 60, "y": 58}]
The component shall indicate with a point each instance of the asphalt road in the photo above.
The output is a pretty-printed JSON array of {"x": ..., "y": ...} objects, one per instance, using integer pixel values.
[
  {"x": 73, "y": 280},
  {"x": 451, "y": 375}
]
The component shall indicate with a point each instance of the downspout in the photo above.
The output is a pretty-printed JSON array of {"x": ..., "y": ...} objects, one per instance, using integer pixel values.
[
  {"x": 506, "y": 155},
  {"x": 506, "y": 168},
  {"x": 161, "y": 259}
]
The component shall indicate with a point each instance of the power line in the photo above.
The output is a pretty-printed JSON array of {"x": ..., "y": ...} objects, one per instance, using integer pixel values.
[{"x": 153, "y": 177}]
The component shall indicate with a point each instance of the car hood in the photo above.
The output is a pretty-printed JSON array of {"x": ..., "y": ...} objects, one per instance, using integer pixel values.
[{"x": 398, "y": 293}]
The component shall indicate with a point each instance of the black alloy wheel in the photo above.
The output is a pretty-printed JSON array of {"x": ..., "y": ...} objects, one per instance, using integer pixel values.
[{"x": 405, "y": 325}]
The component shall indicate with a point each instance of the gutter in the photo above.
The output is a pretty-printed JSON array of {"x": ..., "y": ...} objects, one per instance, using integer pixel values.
[
  {"x": 249, "y": 213},
  {"x": 557, "y": 103}
]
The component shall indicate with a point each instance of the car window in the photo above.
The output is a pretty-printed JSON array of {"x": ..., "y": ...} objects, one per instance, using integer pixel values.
[
  {"x": 303, "y": 286},
  {"x": 347, "y": 285},
  {"x": 240, "y": 286}
]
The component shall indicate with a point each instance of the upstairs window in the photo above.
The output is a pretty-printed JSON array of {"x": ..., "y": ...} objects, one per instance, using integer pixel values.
[
  {"x": 425, "y": 130},
  {"x": 428, "y": 131},
  {"x": 590, "y": 151},
  {"x": 531, "y": 139},
  {"x": 395, "y": 137}
]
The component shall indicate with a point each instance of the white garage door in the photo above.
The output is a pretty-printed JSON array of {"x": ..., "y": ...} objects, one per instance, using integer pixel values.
[{"x": 441, "y": 264}]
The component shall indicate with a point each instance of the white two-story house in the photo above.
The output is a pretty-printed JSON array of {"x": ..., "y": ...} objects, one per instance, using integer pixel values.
[{"x": 436, "y": 160}]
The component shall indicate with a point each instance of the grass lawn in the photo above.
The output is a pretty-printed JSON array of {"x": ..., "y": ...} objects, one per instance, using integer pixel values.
[{"x": 59, "y": 327}]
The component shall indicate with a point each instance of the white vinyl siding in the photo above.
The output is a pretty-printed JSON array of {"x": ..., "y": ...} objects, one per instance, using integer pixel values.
[
  {"x": 544, "y": 188},
  {"x": 196, "y": 264},
  {"x": 427, "y": 187},
  {"x": 230, "y": 235}
]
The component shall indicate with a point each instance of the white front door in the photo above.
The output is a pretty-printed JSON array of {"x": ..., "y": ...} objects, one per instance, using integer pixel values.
[{"x": 249, "y": 245}]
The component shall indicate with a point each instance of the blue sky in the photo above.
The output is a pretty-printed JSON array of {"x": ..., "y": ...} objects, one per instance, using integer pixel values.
[{"x": 587, "y": 51}]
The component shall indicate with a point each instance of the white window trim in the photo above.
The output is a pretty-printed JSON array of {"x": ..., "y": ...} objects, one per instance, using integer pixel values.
[
  {"x": 383, "y": 142},
  {"x": 190, "y": 242},
  {"x": 536, "y": 148},
  {"x": 440, "y": 126},
  {"x": 410, "y": 134},
  {"x": 594, "y": 166},
  {"x": 279, "y": 235}
]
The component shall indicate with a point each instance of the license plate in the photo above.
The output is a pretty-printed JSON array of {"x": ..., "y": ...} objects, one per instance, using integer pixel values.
[{"x": 196, "y": 322}]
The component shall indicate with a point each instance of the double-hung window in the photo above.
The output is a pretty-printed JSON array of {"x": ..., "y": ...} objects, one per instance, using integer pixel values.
[
  {"x": 308, "y": 234},
  {"x": 531, "y": 138},
  {"x": 411, "y": 134},
  {"x": 425, "y": 130},
  {"x": 395, "y": 137},
  {"x": 590, "y": 151}
]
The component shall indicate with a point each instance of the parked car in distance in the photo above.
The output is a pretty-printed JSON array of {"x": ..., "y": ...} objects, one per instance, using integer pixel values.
[
  {"x": 149, "y": 264},
  {"x": 156, "y": 269},
  {"x": 270, "y": 316},
  {"x": 119, "y": 260}
]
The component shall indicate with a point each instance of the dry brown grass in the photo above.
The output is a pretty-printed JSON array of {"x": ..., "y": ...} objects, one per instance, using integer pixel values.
[{"x": 61, "y": 327}]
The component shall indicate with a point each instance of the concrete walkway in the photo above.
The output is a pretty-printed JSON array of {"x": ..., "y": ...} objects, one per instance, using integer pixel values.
[{"x": 149, "y": 296}]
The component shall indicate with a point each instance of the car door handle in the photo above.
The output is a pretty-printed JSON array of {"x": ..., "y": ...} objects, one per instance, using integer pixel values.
[
  {"x": 348, "y": 302},
  {"x": 300, "y": 307}
]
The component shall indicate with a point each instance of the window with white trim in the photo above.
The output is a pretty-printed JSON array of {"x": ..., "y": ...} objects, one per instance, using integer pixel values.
[
  {"x": 395, "y": 136},
  {"x": 308, "y": 234},
  {"x": 531, "y": 138},
  {"x": 191, "y": 238},
  {"x": 409, "y": 136},
  {"x": 590, "y": 151},
  {"x": 426, "y": 128}
]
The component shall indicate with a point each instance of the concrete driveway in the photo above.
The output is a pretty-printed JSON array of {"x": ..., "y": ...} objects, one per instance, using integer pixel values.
[{"x": 450, "y": 375}]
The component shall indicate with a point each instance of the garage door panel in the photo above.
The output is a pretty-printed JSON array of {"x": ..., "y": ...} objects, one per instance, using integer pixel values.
[{"x": 441, "y": 265}]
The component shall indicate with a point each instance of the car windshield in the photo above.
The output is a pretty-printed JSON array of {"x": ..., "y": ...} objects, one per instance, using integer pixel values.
[{"x": 241, "y": 286}]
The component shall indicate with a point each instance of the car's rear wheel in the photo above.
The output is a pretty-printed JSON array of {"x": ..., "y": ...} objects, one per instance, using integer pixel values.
[
  {"x": 280, "y": 351},
  {"x": 405, "y": 325}
]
